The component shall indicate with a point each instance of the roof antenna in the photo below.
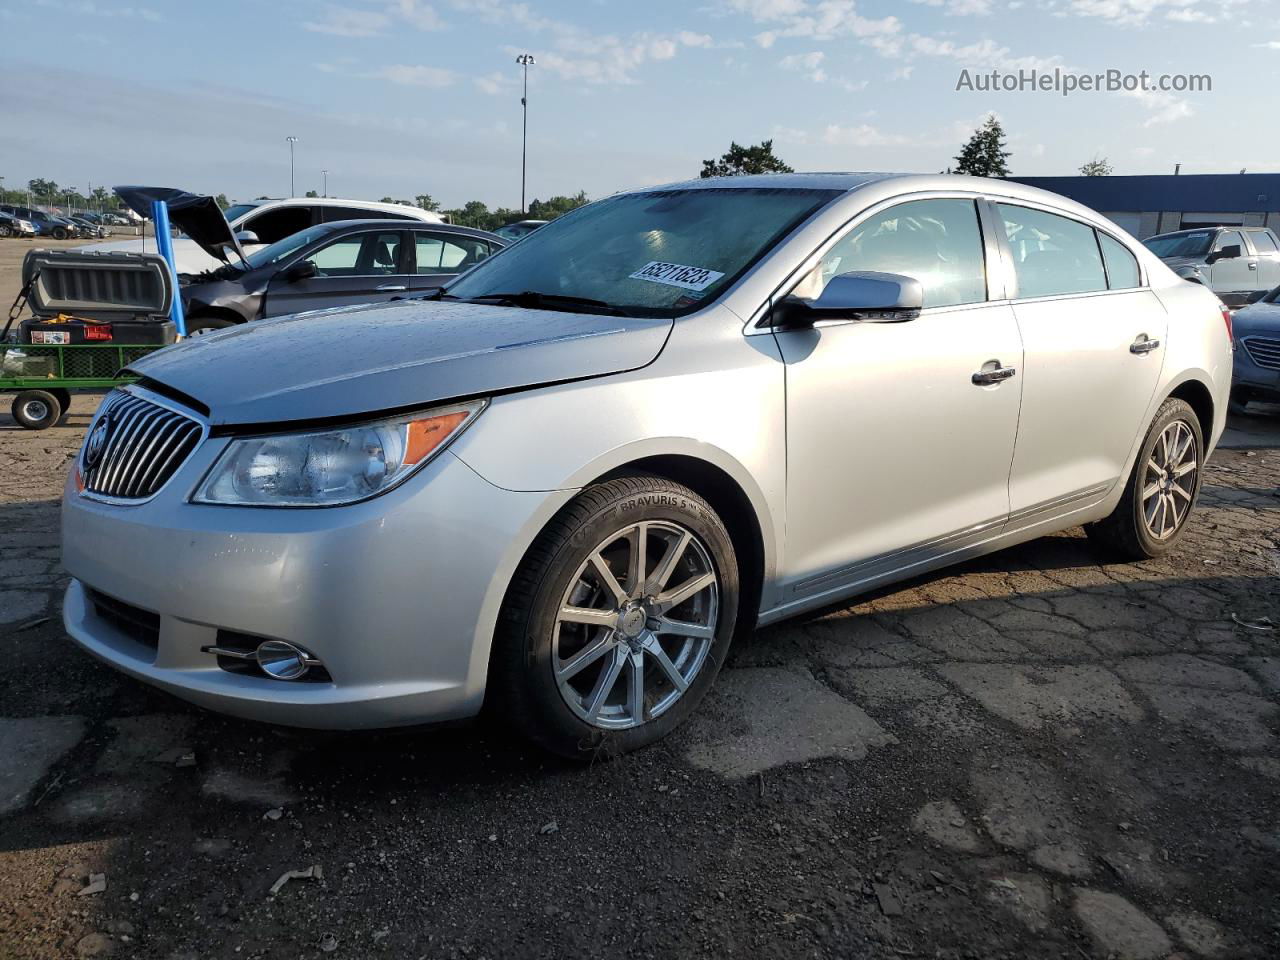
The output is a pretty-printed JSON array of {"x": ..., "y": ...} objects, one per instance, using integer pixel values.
[{"x": 1177, "y": 169}]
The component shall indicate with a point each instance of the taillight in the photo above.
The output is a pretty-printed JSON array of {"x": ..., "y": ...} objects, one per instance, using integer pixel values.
[{"x": 1226, "y": 318}]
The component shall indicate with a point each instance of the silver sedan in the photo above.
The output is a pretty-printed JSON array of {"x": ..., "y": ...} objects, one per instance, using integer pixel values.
[{"x": 561, "y": 487}]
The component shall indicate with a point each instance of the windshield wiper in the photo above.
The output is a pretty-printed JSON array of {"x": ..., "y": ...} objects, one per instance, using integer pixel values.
[{"x": 550, "y": 301}]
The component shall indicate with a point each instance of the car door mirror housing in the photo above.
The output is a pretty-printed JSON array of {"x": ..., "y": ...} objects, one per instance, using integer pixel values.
[
  {"x": 302, "y": 270},
  {"x": 247, "y": 236},
  {"x": 1232, "y": 252},
  {"x": 867, "y": 296}
]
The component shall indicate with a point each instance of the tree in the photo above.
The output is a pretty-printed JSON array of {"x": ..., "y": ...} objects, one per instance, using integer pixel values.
[
  {"x": 556, "y": 206},
  {"x": 1097, "y": 167},
  {"x": 40, "y": 187},
  {"x": 426, "y": 202},
  {"x": 222, "y": 201},
  {"x": 311, "y": 193},
  {"x": 984, "y": 155},
  {"x": 742, "y": 160},
  {"x": 386, "y": 200}
]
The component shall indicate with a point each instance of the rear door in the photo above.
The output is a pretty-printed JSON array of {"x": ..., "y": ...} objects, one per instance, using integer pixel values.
[
  {"x": 440, "y": 256},
  {"x": 1093, "y": 337},
  {"x": 1268, "y": 257},
  {"x": 367, "y": 266}
]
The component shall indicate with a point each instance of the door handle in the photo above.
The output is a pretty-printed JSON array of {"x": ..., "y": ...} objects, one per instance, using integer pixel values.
[
  {"x": 391, "y": 288},
  {"x": 1143, "y": 345},
  {"x": 999, "y": 374},
  {"x": 1253, "y": 264}
]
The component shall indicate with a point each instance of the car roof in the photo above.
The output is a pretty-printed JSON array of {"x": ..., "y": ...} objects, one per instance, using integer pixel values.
[
  {"x": 372, "y": 205},
  {"x": 401, "y": 224}
]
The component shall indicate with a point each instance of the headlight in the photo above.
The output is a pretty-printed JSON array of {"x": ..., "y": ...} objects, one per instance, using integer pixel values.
[{"x": 332, "y": 467}]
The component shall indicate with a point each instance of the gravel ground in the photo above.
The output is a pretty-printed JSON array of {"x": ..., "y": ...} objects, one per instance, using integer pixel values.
[{"x": 1031, "y": 756}]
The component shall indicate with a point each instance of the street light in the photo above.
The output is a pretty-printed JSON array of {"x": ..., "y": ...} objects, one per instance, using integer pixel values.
[
  {"x": 292, "y": 141},
  {"x": 526, "y": 61},
  {"x": 326, "y": 182}
]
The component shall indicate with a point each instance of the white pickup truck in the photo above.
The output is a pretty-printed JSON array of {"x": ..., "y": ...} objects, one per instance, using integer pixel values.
[{"x": 1239, "y": 264}]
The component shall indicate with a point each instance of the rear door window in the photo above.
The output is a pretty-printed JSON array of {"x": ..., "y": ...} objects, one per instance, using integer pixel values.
[
  {"x": 1262, "y": 241},
  {"x": 1122, "y": 266},
  {"x": 1052, "y": 255},
  {"x": 447, "y": 253}
]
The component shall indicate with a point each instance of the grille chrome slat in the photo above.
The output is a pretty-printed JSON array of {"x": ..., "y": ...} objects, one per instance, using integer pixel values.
[
  {"x": 1264, "y": 351},
  {"x": 143, "y": 446}
]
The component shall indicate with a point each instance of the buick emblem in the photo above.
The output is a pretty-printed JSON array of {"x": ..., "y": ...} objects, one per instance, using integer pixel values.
[{"x": 97, "y": 442}]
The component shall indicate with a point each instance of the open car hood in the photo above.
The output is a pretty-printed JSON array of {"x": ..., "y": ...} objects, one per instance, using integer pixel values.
[
  {"x": 351, "y": 362},
  {"x": 196, "y": 215}
]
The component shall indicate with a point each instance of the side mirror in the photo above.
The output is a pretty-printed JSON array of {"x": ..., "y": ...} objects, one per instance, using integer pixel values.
[
  {"x": 867, "y": 296},
  {"x": 1232, "y": 252},
  {"x": 247, "y": 236},
  {"x": 302, "y": 270}
]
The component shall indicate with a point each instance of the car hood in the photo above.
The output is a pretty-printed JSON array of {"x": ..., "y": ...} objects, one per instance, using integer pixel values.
[
  {"x": 1175, "y": 263},
  {"x": 1261, "y": 318},
  {"x": 352, "y": 361},
  {"x": 196, "y": 215},
  {"x": 187, "y": 254}
]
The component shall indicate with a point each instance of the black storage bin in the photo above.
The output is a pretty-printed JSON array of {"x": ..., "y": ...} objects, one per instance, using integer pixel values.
[{"x": 115, "y": 332}]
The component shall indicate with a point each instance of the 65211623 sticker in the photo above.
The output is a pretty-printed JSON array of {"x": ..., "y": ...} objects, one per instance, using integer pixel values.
[{"x": 677, "y": 275}]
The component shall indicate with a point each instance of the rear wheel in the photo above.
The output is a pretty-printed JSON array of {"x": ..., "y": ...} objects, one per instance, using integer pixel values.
[
  {"x": 36, "y": 409},
  {"x": 5, "y": 230},
  {"x": 618, "y": 620},
  {"x": 1152, "y": 514}
]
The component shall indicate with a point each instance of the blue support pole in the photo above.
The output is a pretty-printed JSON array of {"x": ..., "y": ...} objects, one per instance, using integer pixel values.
[{"x": 164, "y": 243}]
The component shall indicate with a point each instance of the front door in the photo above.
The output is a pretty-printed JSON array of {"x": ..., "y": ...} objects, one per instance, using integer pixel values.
[
  {"x": 895, "y": 455},
  {"x": 1093, "y": 338},
  {"x": 1235, "y": 278},
  {"x": 356, "y": 268}
]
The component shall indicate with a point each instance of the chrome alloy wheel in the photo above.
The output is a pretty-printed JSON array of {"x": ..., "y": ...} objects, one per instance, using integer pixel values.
[
  {"x": 635, "y": 625},
  {"x": 1169, "y": 480}
]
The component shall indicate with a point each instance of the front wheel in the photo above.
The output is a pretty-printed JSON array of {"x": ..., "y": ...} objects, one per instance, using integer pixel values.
[
  {"x": 5, "y": 230},
  {"x": 1152, "y": 514},
  {"x": 618, "y": 620},
  {"x": 201, "y": 326},
  {"x": 59, "y": 233}
]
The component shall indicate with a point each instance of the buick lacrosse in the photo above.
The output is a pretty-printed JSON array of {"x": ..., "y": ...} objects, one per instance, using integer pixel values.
[{"x": 560, "y": 487}]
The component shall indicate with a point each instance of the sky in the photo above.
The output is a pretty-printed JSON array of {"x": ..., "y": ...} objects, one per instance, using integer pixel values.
[{"x": 402, "y": 97}]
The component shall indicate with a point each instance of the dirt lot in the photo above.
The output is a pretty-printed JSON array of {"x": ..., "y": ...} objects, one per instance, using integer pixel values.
[{"x": 1031, "y": 756}]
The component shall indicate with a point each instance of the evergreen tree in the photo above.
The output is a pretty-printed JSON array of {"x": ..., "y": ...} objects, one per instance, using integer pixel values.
[
  {"x": 742, "y": 160},
  {"x": 985, "y": 155}
]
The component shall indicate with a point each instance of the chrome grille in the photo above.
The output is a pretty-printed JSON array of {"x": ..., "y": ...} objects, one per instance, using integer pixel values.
[
  {"x": 134, "y": 447},
  {"x": 1264, "y": 351}
]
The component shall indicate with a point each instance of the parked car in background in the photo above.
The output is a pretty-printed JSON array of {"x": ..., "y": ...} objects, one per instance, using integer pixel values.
[
  {"x": 88, "y": 228},
  {"x": 46, "y": 224},
  {"x": 1239, "y": 264},
  {"x": 11, "y": 226},
  {"x": 562, "y": 487},
  {"x": 515, "y": 231},
  {"x": 1257, "y": 358},
  {"x": 264, "y": 222},
  {"x": 334, "y": 265}
]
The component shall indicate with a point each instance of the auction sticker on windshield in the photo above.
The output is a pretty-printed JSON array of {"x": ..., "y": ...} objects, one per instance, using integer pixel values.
[{"x": 677, "y": 275}]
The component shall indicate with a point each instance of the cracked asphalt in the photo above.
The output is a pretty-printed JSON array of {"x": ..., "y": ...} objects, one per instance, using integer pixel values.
[{"x": 1031, "y": 755}]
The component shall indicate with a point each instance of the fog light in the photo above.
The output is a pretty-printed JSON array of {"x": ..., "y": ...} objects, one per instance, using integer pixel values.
[{"x": 282, "y": 661}]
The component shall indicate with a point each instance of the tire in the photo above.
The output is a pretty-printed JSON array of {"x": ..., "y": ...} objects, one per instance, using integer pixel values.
[
  {"x": 5, "y": 230},
  {"x": 534, "y": 644},
  {"x": 1131, "y": 532},
  {"x": 63, "y": 396},
  {"x": 199, "y": 326},
  {"x": 59, "y": 233},
  {"x": 36, "y": 409}
]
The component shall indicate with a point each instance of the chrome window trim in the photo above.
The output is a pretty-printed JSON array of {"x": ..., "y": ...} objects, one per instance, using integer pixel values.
[{"x": 148, "y": 396}]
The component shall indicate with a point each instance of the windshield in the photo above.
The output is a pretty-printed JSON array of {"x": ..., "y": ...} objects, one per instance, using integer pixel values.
[
  {"x": 1181, "y": 244},
  {"x": 283, "y": 249},
  {"x": 238, "y": 210},
  {"x": 661, "y": 253}
]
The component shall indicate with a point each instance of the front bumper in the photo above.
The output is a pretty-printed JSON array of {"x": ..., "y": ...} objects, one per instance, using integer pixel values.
[
  {"x": 1265, "y": 381},
  {"x": 397, "y": 596}
]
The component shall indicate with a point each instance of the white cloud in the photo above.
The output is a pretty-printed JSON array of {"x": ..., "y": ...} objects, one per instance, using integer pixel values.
[
  {"x": 409, "y": 75},
  {"x": 347, "y": 22},
  {"x": 1138, "y": 12},
  {"x": 961, "y": 8},
  {"x": 89, "y": 8}
]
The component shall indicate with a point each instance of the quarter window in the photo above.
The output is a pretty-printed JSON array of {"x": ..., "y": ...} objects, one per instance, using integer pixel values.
[
  {"x": 1122, "y": 266},
  {"x": 1052, "y": 255},
  {"x": 937, "y": 242}
]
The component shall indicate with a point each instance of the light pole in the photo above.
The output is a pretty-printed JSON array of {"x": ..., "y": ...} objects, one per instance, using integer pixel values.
[
  {"x": 526, "y": 61},
  {"x": 326, "y": 181},
  {"x": 292, "y": 141}
]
